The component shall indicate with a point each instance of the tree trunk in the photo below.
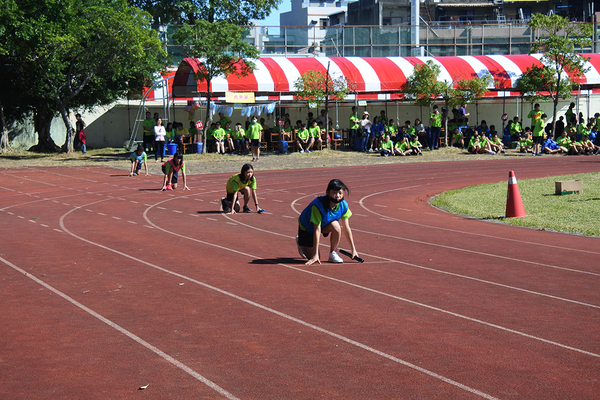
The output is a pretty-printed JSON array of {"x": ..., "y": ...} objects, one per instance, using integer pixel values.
[
  {"x": 69, "y": 139},
  {"x": 4, "y": 144},
  {"x": 42, "y": 121},
  {"x": 207, "y": 119}
]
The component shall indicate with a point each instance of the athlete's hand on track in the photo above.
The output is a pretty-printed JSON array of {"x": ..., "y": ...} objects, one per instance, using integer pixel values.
[{"x": 313, "y": 260}]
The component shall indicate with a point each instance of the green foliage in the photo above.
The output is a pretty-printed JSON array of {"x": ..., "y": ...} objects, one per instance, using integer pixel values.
[
  {"x": 574, "y": 213},
  {"x": 558, "y": 40},
  {"x": 237, "y": 12},
  {"x": 221, "y": 47},
  {"x": 78, "y": 53},
  {"x": 311, "y": 87},
  {"x": 468, "y": 90},
  {"x": 423, "y": 85}
]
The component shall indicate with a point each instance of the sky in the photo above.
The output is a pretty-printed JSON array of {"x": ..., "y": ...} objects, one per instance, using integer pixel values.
[{"x": 273, "y": 19}]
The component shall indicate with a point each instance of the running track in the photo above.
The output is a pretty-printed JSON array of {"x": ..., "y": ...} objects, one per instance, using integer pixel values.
[{"x": 108, "y": 285}]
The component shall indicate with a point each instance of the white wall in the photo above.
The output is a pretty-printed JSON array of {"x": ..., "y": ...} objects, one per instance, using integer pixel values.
[{"x": 111, "y": 126}]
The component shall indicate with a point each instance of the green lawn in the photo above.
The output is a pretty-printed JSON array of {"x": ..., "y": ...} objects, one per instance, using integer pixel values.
[{"x": 574, "y": 213}]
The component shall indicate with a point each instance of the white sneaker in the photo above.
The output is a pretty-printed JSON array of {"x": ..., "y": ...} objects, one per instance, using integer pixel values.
[
  {"x": 300, "y": 249},
  {"x": 334, "y": 257}
]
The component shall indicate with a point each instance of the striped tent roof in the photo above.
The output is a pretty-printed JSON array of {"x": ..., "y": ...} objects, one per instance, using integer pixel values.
[{"x": 370, "y": 75}]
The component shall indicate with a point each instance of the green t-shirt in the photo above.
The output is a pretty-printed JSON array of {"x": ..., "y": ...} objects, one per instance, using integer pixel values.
[
  {"x": 241, "y": 134},
  {"x": 392, "y": 130},
  {"x": 526, "y": 143},
  {"x": 436, "y": 120},
  {"x": 474, "y": 141},
  {"x": 148, "y": 126},
  {"x": 224, "y": 121},
  {"x": 229, "y": 132},
  {"x": 564, "y": 142},
  {"x": 515, "y": 128},
  {"x": 235, "y": 183},
  {"x": 209, "y": 133},
  {"x": 538, "y": 130},
  {"x": 534, "y": 115},
  {"x": 303, "y": 134},
  {"x": 389, "y": 145},
  {"x": 314, "y": 132},
  {"x": 410, "y": 131},
  {"x": 402, "y": 145},
  {"x": 354, "y": 121},
  {"x": 415, "y": 143},
  {"x": 219, "y": 133},
  {"x": 255, "y": 131}
]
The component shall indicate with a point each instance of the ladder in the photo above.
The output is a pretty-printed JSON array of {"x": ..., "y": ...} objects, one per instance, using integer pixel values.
[{"x": 162, "y": 83}]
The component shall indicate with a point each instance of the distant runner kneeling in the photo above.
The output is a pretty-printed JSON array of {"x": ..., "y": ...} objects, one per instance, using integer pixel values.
[
  {"x": 244, "y": 182},
  {"x": 323, "y": 215}
]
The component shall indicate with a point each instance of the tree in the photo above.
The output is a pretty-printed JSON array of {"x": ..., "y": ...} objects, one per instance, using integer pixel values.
[
  {"x": 82, "y": 53},
  {"x": 471, "y": 90},
  {"x": 237, "y": 12},
  {"x": 557, "y": 40},
  {"x": 316, "y": 88},
  {"x": 221, "y": 48}
]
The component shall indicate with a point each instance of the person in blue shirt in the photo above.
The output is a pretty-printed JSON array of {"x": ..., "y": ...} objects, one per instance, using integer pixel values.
[
  {"x": 551, "y": 147},
  {"x": 138, "y": 158},
  {"x": 483, "y": 129},
  {"x": 325, "y": 215}
]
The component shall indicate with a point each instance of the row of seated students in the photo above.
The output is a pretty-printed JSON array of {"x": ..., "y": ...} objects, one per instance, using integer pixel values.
[{"x": 564, "y": 144}]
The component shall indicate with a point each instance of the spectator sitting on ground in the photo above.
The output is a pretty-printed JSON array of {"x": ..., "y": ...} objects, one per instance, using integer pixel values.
[
  {"x": 415, "y": 146},
  {"x": 456, "y": 138},
  {"x": 551, "y": 147},
  {"x": 496, "y": 144},
  {"x": 402, "y": 148},
  {"x": 525, "y": 144},
  {"x": 486, "y": 145},
  {"x": 587, "y": 146},
  {"x": 387, "y": 146},
  {"x": 515, "y": 129},
  {"x": 474, "y": 144}
]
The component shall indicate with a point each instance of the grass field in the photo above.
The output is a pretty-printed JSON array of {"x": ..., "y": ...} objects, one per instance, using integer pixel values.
[{"x": 574, "y": 213}]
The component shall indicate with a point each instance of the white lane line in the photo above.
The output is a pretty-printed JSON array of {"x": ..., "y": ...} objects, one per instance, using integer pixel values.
[
  {"x": 58, "y": 230},
  {"x": 116, "y": 217},
  {"x": 289, "y": 216},
  {"x": 271, "y": 310},
  {"x": 125, "y": 332},
  {"x": 212, "y": 219},
  {"x": 132, "y": 222},
  {"x": 44, "y": 225},
  {"x": 177, "y": 211},
  {"x": 278, "y": 201},
  {"x": 104, "y": 215}
]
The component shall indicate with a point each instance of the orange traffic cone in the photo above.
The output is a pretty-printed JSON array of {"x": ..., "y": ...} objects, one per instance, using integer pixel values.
[{"x": 514, "y": 204}]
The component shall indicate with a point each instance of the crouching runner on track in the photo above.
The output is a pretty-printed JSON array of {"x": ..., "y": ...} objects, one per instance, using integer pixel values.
[
  {"x": 323, "y": 215},
  {"x": 171, "y": 170},
  {"x": 244, "y": 182}
]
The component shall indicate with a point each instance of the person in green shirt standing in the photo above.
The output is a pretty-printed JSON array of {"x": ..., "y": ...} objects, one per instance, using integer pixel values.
[
  {"x": 148, "y": 129},
  {"x": 255, "y": 131},
  {"x": 354, "y": 124},
  {"x": 538, "y": 135},
  {"x": 535, "y": 114},
  {"x": 435, "y": 128}
]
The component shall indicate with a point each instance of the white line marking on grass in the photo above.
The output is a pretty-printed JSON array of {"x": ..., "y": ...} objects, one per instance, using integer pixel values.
[{"x": 125, "y": 332}]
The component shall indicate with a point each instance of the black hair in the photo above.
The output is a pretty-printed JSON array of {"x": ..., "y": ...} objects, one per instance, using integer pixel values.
[
  {"x": 178, "y": 156},
  {"x": 140, "y": 147},
  {"x": 336, "y": 184},
  {"x": 245, "y": 168}
]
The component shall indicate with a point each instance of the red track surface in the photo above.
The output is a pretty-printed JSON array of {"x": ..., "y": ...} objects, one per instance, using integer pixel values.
[{"x": 107, "y": 285}]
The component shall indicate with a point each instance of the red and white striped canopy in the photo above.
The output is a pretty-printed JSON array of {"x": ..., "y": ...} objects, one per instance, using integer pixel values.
[{"x": 371, "y": 75}]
